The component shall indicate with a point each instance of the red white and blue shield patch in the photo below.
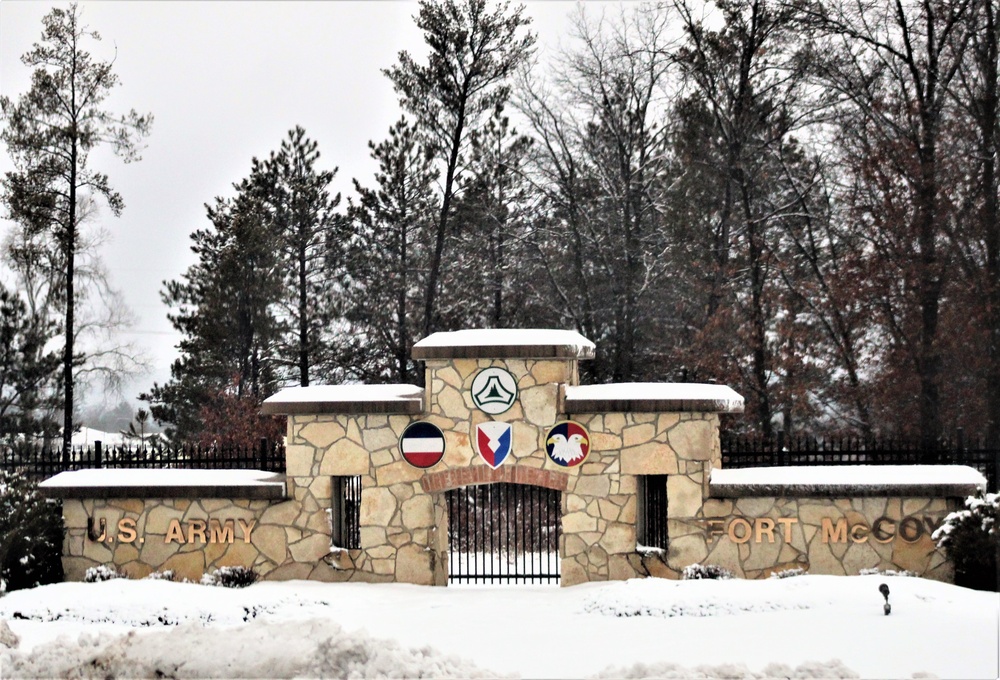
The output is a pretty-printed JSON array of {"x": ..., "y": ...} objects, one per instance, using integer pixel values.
[{"x": 493, "y": 442}]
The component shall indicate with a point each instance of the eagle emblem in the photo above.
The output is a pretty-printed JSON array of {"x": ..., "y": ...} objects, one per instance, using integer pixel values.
[{"x": 568, "y": 443}]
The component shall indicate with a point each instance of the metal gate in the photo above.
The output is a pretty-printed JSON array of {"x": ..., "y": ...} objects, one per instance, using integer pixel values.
[{"x": 503, "y": 533}]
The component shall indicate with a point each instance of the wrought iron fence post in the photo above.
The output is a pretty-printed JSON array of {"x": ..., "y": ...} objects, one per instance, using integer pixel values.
[
  {"x": 263, "y": 453},
  {"x": 97, "y": 454},
  {"x": 782, "y": 456}
]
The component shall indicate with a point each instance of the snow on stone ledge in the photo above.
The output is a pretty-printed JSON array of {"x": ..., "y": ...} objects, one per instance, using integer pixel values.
[
  {"x": 848, "y": 480},
  {"x": 505, "y": 343},
  {"x": 316, "y": 399},
  {"x": 653, "y": 397},
  {"x": 163, "y": 483}
]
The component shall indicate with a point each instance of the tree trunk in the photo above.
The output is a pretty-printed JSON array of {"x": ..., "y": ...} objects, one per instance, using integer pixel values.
[
  {"x": 449, "y": 185},
  {"x": 303, "y": 314},
  {"x": 989, "y": 139}
]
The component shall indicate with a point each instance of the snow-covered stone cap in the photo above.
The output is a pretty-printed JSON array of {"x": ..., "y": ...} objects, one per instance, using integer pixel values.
[
  {"x": 652, "y": 397},
  {"x": 317, "y": 399},
  {"x": 105, "y": 483},
  {"x": 848, "y": 480},
  {"x": 505, "y": 343}
]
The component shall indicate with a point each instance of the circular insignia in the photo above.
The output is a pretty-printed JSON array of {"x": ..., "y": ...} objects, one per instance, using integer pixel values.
[
  {"x": 494, "y": 390},
  {"x": 422, "y": 444},
  {"x": 567, "y": 443}
]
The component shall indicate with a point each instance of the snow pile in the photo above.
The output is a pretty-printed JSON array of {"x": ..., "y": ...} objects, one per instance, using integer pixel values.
[
  {"x": 152, "y": 603},
  {"x": 856, "y": 475},
  {"x": 809, "y": 669},
  {"x": 706, "y": 597},
  {"x": 509, "y": 337},
  {"x": 311, "y": 648},
  {"x": 789, "y": 627},
  {"x": 162, "y": 477},
  {"x": 346, "y": 393}
]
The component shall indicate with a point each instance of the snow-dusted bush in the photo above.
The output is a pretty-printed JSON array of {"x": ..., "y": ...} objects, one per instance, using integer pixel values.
[
  {"x": 875, "y": 571},
  {"x": 788, "y": 573},
  {"x": 31, "y": 535},
  {"x": 103, "y": 572},
  {"x": 972, "y": 541},
  {"x": 167, "y": 575},
  {"x": 705, "y": 571},
  {"x": 230, "y": 577}
]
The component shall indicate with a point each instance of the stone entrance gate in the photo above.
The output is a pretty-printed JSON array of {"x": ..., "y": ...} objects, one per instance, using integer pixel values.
[
  {"x": 503, "y": 533},
  {"x": 637, "y": 470}
]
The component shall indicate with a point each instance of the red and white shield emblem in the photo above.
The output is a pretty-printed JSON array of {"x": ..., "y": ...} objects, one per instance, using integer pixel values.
[{"x": 493, "y": 442}]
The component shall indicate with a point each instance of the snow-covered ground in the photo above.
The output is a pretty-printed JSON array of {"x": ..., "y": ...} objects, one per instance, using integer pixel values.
[{"x": 804, "y": 626}]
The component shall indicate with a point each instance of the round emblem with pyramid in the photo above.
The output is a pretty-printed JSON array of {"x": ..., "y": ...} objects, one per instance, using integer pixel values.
[{"x": 494, "y": 390}]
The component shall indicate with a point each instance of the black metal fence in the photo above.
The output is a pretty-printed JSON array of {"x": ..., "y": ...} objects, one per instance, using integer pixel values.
[
  {"x": 346, "y": 512},
  {"x": 739, "y": 451},
  {"x": 41, "y": 462},
  {"x": 651, "y": 529},
  {"x": 503, "y": 533}
]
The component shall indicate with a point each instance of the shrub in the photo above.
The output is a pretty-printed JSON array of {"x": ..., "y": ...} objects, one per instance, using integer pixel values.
[
  {"x": 167, "y": 575},
  {"x": 31, "y": 535},
  {"x": 788, "y": 573},
  {"x": 103, "y": 572},
  {"x": 705, "y": 571},
  {"x": 875, "y": 571},
  {"x": 230, "y": 577},
  {"x": 972, "y": 541}
]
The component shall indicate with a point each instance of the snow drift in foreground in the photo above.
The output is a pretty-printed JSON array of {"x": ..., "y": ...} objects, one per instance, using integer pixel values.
[
  {"x": 801, "y": 627},
  {"x": 313, "y": 648},
  {"x": 708, "y": 597}
]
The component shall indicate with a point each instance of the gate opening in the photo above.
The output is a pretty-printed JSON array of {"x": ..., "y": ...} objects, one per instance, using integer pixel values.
[{"x": 503, "y": 533}]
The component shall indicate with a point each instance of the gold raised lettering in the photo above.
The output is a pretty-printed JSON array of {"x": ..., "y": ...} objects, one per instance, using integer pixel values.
[
  {"x": 196, "y": 527},
  {"x": 879, "y": 534},
  {"x": 747, "y": 530},
  {"x": 786, "y": 524},
  {"x": 247, "y": 528},
  {"x": 765, "y": 526},
  {"x": 174, "y": 532},
  {"x": 859, "y": 533},
  {"x": 715, "y": 528},
  {"x": 830, "y": 534},
  {"x": 126, "y": 530},
  {"x": 910, "y": 529},
  {"x": 221, "y": 532}
]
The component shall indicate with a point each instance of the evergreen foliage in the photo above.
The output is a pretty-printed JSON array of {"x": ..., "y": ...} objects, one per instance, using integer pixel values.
[
  {"x": 971, "y": 538},
  {"x": 26, "y": 372},
  {"x": 31, "y": 535}
]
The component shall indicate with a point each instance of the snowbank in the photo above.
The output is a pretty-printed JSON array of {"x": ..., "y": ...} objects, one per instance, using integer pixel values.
[
  {"x": 804, "y": 626},
  {"x": 850, "y": 480}
]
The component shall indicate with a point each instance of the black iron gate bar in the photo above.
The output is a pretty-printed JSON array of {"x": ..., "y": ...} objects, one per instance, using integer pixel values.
[{"x": 496, "y": 522}]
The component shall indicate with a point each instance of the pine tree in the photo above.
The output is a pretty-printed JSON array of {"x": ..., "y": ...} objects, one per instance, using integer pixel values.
[
  {"x": 26, "y": 371},
  {"x": 50, "y": 132},
  {"x": 473, "y": 54},
  {"x": 389, "y": 254},
  {"x": 310, "y": 235},
  {"x": 225, "y": 307}
]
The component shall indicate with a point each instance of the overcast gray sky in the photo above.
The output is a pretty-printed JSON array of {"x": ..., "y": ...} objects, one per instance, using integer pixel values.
[{"x": 225, "y": 81}]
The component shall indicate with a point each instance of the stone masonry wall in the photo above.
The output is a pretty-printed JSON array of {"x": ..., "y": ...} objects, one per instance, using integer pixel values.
[
  {"x": 758, "y": 544},
  {"x": 599, "y": 525},
  {"x": 400, "y": 540},
  {"x": 275, "y": 541},
  {"x": 404, "y": 522}
]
